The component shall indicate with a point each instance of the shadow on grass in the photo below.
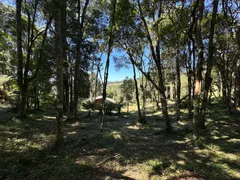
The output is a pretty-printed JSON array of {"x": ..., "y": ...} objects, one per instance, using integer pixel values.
[{"x": 126, "y": 149}]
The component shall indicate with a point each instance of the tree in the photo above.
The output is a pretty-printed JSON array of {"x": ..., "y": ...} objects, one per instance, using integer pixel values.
[
  {"x": 80, "y": 21},
  {"x": 20, "y": 57},
  {"x": 208, "y": 78},
  {"x": 199, "y": 112},
  {"x": 127, "y": 89},
  {"x": 59, "y": 77},
  {"x": 155, "y": 52},
  {"x": 31, "y": 36},
  {"x": 238, "y": 71},
  {"x": 110, "y": 44}
]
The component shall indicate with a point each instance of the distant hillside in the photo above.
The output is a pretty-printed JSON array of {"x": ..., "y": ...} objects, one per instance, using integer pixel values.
[{"x": 114, "y": 82}]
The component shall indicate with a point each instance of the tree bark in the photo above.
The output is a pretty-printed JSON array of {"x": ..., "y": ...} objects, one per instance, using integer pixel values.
[
  {"x": 198, "y": 125},
  {"x": 208, "y": 78},
  {"x": 238, "y": 88},
  {"x": 81, "y": 19},
  {"x": 65, "y": 61},
  {"x": 71, "y": 87},
  {"x": 136, "y": 91},
  {"x": 178, "y": 86},
  {"x": 59, "y": 80},
  {"x": 110, "y": 43},
  {"x": 238, "y": 73},
  {"x": 20, "y": 55},
  {"x": 189, "y": 75},
  {"x": 228, "y": 86},
  {"x": 143, "y": 87}
]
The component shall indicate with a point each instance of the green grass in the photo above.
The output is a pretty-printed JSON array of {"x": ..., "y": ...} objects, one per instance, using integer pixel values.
[{"x": 126, "y": 149}]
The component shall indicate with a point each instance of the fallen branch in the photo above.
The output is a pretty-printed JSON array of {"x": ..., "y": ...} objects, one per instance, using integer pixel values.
[
  {"x": 107, "y": 159},
  {"x": 184, "y": 98}
]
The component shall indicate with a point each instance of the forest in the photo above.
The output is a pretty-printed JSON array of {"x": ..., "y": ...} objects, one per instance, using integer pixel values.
[{"x": 177, "y": 117}]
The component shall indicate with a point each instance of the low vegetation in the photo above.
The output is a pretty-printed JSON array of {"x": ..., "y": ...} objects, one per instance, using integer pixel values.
[{"x": 126, "y": 149}]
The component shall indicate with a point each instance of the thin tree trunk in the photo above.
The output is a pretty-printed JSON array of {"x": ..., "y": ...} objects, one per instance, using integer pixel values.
[
  {"x": 189, "y": 74},
  {"x": 238, "y": 73},
  {"x": 96, "y": 81},
  {"x": 155, "y": 52},
  {"x": 229, "y": 87},
  {"x": 208, "y": 79},
  {"x": 178, "y": 86},
  {"x": 172, "y": 80},
  {"x": 198, "y": 125},
  {"x": 35, "y": 96},
  {"x": 136, "y": 91},
  {"x": 59, "y": 80},
  {"x": 20, "y": 55},
  {"x": 65, "y": 61},
  {"x": 192, "y": 30},
  {"x": 143, "y": 98},
  {"x": 238, "y": 88},
  {"x": 77, "y": 67},
  {"x": 71, "y": 87},
  {"x": 77, "y": 63},
  {"x": 110, "y": 43}
]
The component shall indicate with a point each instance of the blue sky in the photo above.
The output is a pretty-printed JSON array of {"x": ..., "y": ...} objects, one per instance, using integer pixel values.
[{"x": 116, "y": 74}]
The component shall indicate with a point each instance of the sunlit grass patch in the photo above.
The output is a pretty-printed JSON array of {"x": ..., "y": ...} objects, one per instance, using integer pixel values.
[
  {"x": 116, "y": 134},
  {"x": 155, "y": 166},
  {"x": 135, "y": 127},
  {"x": 50, "y": 117}
]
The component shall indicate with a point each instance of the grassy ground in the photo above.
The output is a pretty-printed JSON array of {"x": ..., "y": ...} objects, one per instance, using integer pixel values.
[{"x": 126, "y": 150}]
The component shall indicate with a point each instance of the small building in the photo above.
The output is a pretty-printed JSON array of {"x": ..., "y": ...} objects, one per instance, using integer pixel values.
[
  {"x": 110, "y": 104},
  {"x": 99, "y": 99}
]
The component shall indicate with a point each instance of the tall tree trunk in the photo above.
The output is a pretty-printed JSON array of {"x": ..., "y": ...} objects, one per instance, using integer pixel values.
[
  {"x": 155, "y": 52},
  {"x": 208, "y": 78},
  {"x": 77, "y": 66},
  {"x": 20, "y": 56},
  {"x": 36, "y": 100},
  {"x": 198, "y": 125},
  {"x": 191, "y": 31},
  {"x": 178, "y": 86},
  {"x": 172, "y": 89},
  {"x": 65, "y": 61},
  {"x": 143, "y": 97},
  {"x": 228, "y": 86},
  {"x": 59, "y": 80},
  {"x": 110, "y": 43},
  {"x": 137, "y": 97},
  {"x": 238, "y": 88},
  {"x": 81, "y": 19},
  {"x": 96, "y": 81},
  {"x": 224, "y": 90},
  {"x": 71, "y": 87},
  {"x": 238, "y": 73},
  {"x": 189, "y": 74}
]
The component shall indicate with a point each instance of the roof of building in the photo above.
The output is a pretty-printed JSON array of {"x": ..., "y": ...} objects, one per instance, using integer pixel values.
[{"x": 100, "y": 97}]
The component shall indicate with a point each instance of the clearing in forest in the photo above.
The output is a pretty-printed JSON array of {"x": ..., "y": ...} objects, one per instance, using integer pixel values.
[{"x": 126, "y": 150}]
